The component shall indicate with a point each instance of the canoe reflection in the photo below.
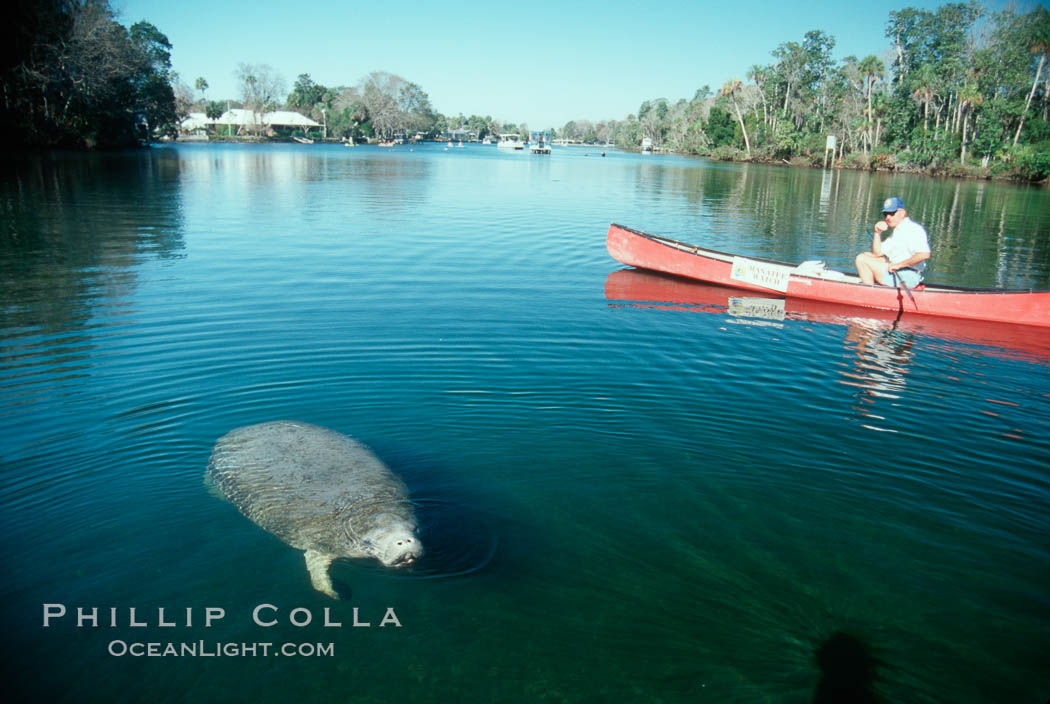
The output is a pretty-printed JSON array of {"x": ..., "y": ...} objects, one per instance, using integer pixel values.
[{"x": 649, "y": 289}]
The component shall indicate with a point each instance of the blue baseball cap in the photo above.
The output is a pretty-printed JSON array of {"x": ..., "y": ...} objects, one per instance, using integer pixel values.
[{"x": 892, "y": 205}]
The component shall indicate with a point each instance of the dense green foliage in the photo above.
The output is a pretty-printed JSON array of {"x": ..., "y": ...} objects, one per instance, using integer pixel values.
[
  {"x": 71, "y": 75},
  {"x": 721, "y": 130},
  {"x": 967, "y": 92},
  {"x": 382, "y": 106}
]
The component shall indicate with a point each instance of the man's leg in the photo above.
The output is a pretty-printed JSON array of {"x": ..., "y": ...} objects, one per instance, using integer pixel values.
[{"x": 871, "y": 268}]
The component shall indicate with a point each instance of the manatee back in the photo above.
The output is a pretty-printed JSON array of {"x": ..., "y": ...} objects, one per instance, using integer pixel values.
[{"x": 301, "y": 482}]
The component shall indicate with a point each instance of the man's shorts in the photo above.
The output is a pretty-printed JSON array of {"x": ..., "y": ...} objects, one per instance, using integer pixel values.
[{"x": 910, "y": 277}]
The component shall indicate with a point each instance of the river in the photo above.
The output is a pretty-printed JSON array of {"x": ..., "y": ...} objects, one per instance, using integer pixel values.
[{"x": 630, "y": 488}]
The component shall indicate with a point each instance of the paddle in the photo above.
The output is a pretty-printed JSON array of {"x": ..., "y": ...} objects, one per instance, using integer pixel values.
[{"x": 901, "y": 284}]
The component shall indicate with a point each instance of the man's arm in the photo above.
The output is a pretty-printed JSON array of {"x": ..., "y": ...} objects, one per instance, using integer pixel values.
[
  {"x": 876, "y": 240},
  {"x": 910, "y": 261}
]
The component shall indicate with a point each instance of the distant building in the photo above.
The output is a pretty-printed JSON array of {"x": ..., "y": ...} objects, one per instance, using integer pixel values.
[
  {"x": 243, "y": 120},
  {"x": 461, "y": 134}
]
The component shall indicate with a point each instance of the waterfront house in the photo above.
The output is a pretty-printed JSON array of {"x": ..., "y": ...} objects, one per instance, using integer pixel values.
[
  {"x": 461, "y": 134},
  {"x": 242, "y": 121}
]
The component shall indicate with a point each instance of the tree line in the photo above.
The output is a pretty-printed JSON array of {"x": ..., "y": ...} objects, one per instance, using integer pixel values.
[
  {"x": 71, "y": 75},
  {"x": 964, "y": 91},
  {"x": 382, "y": 106}
]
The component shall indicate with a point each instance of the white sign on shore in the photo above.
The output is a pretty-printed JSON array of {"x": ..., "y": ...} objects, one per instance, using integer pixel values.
[{"x": 764, "y": 274}]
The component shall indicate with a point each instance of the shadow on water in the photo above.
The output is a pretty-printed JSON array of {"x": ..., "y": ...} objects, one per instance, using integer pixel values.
[{"x": 849, "y": 670}]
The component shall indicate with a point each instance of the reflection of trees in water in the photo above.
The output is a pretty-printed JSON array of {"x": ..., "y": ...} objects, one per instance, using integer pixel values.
[
  {"x": 260, "y": 183},
  {"x": 982, "y": 234},
  {"x": 881, "y": 364},
  {"x": 395, "y": 183},
  {"x": 75, "y": 225}
]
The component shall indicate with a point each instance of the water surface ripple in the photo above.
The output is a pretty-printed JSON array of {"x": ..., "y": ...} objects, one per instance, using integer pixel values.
[{"x": 634, "y": 489}]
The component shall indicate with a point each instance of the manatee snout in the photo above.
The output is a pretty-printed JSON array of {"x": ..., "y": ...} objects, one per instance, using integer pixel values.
[
  {"x": 398, "y": 548},
  {"x": 413, "y": 551}
]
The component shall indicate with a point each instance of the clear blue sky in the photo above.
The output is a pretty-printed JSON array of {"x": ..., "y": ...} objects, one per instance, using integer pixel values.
[{"x": 543, "y": 63}]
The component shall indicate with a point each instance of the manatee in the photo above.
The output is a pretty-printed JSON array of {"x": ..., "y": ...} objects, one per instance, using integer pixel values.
[{"x": 318, "y": 491}]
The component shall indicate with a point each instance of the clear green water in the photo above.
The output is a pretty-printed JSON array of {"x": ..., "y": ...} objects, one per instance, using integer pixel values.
[{"x": 623, "y": 501}]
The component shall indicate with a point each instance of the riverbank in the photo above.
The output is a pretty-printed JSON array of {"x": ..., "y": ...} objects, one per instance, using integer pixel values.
[
  {"x": 251, "y": 139},
  {"x": 1032, "y": 174},
  {"x": 1034, "y": 168}
]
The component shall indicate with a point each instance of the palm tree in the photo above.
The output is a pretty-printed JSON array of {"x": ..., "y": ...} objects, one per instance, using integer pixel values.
[
  {"x": 213, "y": 110},
  {"x": 925, "y": 79},
  {"x": 880, "y": 107},
  {"x": 760, "y": 75},
  {"x": 969, "y": 97},
  {"x": 1039, "y": 43},
  {"x": 731, "y": 88},
  {"x": 873, "y": 70}
]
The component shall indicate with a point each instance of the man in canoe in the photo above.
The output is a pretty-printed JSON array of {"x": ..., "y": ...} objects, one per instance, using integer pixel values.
[{"x": 901, "y": 258}]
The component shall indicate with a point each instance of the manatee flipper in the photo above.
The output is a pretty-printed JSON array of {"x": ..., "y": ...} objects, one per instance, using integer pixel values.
[
  {"x": 317, "y": 563},
  {"x": 212, "y": 488}
]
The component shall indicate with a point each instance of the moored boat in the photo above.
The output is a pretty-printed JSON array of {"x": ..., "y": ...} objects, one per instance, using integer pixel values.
[
  {"x": 512, "y": 142},
  {"x": 647, "y": 251},
  {"x": 541, "y": 143}
]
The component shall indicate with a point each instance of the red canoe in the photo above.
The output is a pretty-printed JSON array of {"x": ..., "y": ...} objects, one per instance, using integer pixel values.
[{"x": 646, "y": 251}]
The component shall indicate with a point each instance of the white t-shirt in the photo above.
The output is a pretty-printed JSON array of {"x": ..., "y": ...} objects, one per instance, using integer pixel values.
[{"x": 908, "y": 238}]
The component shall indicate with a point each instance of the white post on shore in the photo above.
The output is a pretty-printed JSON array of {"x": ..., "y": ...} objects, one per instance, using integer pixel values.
[{"x": 829, "y": 145}]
